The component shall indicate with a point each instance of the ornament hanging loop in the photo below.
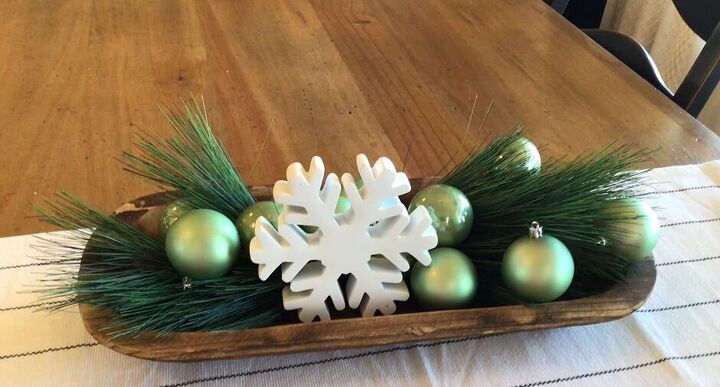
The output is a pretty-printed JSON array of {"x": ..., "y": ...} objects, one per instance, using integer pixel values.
[{"x": 535, "y": 230}]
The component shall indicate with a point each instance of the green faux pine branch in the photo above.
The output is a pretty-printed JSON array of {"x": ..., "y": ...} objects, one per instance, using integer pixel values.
[
  {"x": 193, "y": 163},
  {"x": 126, "y": 271},
  {"x": 568, "y": 198}
]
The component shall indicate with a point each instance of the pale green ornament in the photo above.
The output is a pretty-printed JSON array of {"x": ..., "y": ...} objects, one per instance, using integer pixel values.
[
  {"x": 172, "y": 213},
  {"x": 359, "y": 183},
  {"x": 634, "y": 237},
  {"x": 450, "y": 281},
  {"x": 538, "y": 268},
  {"x": 524, "y": 153},
  {"x": 203, "y": 244},
  {"x": 450, "y": 211},
  {"x": 342, "y": 206},
  {"x": 246, "y": 221}
]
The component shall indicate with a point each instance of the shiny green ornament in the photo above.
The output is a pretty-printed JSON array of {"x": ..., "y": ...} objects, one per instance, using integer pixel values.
[
  {"x": 450, "y": 281},
  {"x": 246, "y": 222},
  {"x": 636, "y": 236},
  {"x": 538, "y": 268},
  {"x": 450, "y": 211},
  {"x": 523, "y": 152},
  {"x": 203, "y": 244},
  {"x": 172, "y": 213}
]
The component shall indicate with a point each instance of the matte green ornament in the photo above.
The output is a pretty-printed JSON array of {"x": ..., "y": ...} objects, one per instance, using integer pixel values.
[
  {"x": 538, "y": 268},
  {"x": 246, "y": 222},
  {"x": 172, "y": 213},
  {"x": 634, "y": 237},
  {"x": 450, "y": 281},
  {"x": 523, "y": 153},
  {"x": 203, "y": 244},
  {"x": 450, "y": 211}
]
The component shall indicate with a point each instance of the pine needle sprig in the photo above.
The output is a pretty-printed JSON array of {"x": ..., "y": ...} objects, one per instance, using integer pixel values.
[
  {"x": 126, "y": 271},
  {"x": 111, "y": 243},
  {"x": 90, "y": 229},
  {"x": 569, "y": 198},
  {"x": 193, "y": 163}
]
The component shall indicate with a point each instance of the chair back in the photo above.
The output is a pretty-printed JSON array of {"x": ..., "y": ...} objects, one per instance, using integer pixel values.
[{"x": 702, "y": 16}]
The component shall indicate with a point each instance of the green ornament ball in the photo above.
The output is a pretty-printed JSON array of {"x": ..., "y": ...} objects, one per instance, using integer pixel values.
[
  {"x": 246, "y": 221},
  {"x": 450, "y": 211},
  {"x": 634, "y": 237},
  {"x": 359, "y": 183},
  {"x": 343, "y": 205},
  {"x": 523, "y": 153},
  {"x": 203, "y": 244},
  {"x": 172, "y": 213},
  {"x": 449, "y": 282},
  {"x": 538, "y": 268}
]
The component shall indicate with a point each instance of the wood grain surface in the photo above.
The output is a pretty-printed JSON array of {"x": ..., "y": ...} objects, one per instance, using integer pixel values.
[
  {"x": 409, "y": 324},
  {"x": 379, "y": 77}
]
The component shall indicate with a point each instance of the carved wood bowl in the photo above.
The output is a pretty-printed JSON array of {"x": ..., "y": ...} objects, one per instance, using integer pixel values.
[{"x": 408, "y": 325}]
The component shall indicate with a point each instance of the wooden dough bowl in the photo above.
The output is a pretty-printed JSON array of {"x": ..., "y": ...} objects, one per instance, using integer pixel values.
[{"x": 615, "y": 302}]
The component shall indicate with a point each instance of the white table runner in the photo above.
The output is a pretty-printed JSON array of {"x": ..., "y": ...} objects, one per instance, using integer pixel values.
[{"x": 673, "y": 340}]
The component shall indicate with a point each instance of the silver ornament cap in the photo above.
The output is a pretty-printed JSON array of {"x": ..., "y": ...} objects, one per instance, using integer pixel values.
[
  {"x": 535, "y": 230},
  {"x": 537, "y": 268}
]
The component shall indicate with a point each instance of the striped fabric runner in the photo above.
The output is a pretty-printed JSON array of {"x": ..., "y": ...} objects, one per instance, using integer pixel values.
[{"x": 673, "y": 340}]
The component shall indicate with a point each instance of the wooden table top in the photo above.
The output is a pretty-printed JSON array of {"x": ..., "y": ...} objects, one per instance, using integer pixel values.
[{"x": 341, "y": 78}]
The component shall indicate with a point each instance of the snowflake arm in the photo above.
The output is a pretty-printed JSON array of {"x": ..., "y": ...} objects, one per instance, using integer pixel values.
[
  {"x": 306, "y": 203},
  {"x": 378, "y": 198},
  {"x": 308, "y": 295},
  {"x": 271, "y": 248},
  {"x": 375, "y": 287},
  {"x": 413, "y": 235},
  {"x": 381, "y": 278}
]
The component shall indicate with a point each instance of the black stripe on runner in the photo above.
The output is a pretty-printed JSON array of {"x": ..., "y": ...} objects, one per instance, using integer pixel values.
[
  {"x": 679, "y": 190},
  {"x": 26, "y": 265},
  {"x": 397, "y": 349},
  {"x": 329, "y": 360},
  {"x": 46, "y": 350},
  {"x": 668, "y": 263},
  {"x": 31, "y": 306},
  {"x": 690, "y": 222},
  {"x": 662, "y": 309},
  {"x": 385, "y": 351},
  {"x": 622, "y": 369}
]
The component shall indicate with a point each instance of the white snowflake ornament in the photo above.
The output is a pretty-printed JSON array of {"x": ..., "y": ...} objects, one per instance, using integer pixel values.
[{"x": 369, "y": 242}]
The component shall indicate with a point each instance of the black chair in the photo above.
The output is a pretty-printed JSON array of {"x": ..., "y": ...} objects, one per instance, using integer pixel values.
[
  {"x": 558, "y": 5},
  {"x": 703, "y": 17}
]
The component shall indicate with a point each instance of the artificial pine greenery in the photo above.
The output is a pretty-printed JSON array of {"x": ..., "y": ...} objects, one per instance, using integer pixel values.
[
  {"x": 126, "y": 270},
  {"x": 194, "y": 163},
  {"x": 568, "y": 198}
]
